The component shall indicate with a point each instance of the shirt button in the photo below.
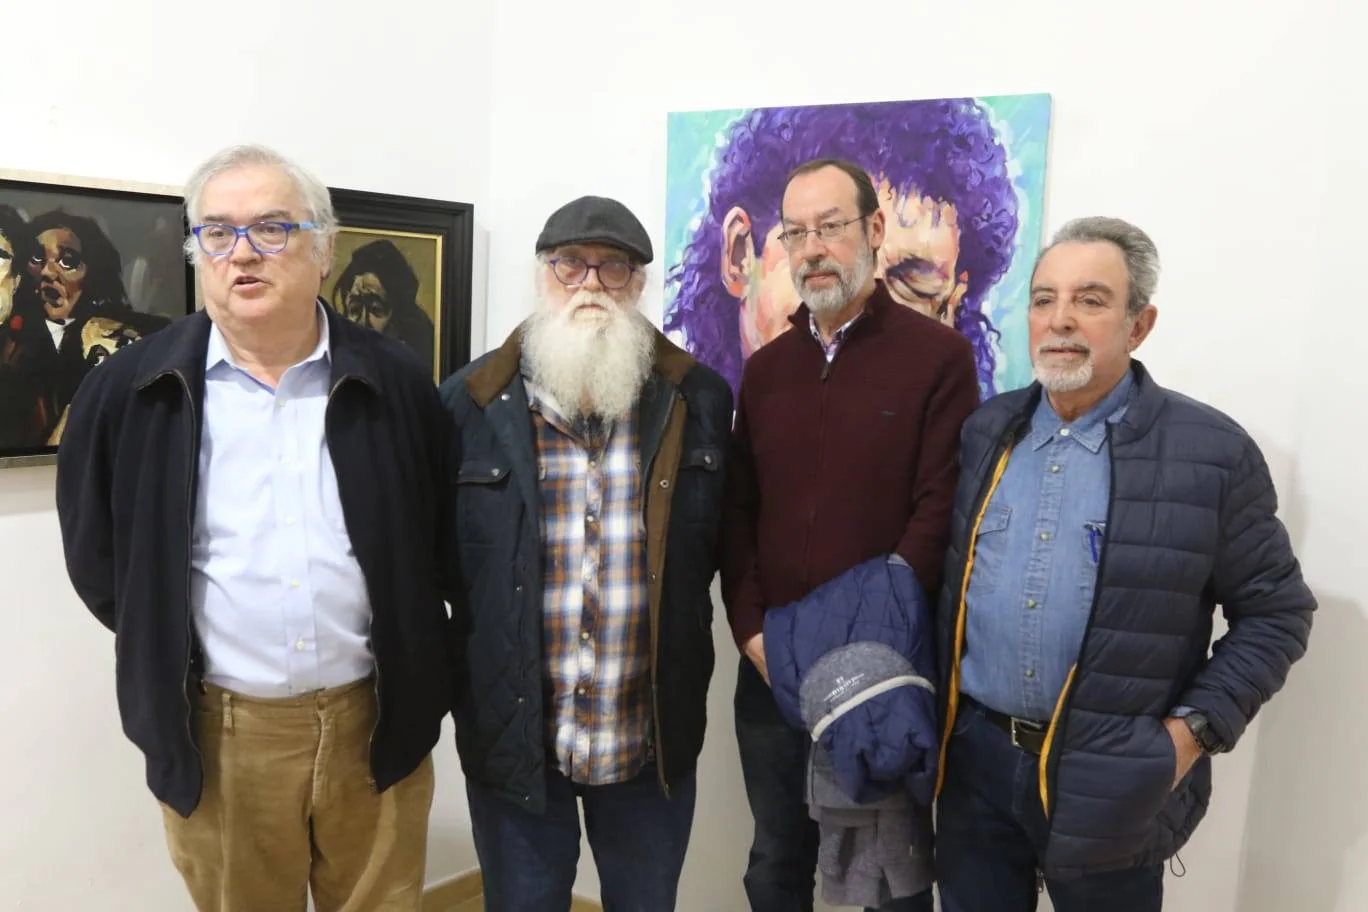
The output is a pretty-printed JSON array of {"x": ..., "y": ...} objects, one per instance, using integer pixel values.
[
  {"x": 584, "y": 635},
  {"x": 580, "y": 691},
  {"x": 590, "y": 519},
  {"x": 294, "y": 584},
  {"x": 1044, "y": 536},
  {"x": 1054, "y": 468},
  {"x": 299, "y": 645},
  {"x": 1032, "y": 603},
  {"x": 1030, "y": 673},
  {"x": 289, "y": 520},
  {"x": 1064, "y": 432}
]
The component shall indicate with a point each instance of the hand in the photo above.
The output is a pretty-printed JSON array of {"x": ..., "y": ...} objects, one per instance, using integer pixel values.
[
  {"x": 1185, "y": 747},
  {"x": 755, "y": 651}
]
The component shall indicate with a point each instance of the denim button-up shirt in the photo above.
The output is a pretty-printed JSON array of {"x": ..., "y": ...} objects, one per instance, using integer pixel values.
[{"x": 1036, "y": 559}]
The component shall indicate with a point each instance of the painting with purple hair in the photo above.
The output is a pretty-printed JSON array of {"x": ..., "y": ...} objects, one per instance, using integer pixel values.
[{"x": 961, "y": 182}]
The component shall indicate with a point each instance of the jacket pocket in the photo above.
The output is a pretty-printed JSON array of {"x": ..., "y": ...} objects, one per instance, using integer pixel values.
[
  {"x": 699, "y": 483},
  {"x": 480, "y": 492},
  {"x": 989, "y": 545}
]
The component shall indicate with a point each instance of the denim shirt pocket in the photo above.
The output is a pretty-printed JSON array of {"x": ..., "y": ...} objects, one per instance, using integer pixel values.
[{"x": 989, "y": 548}]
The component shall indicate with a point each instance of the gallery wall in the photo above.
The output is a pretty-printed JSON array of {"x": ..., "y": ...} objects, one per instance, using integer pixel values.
[
  {"x": 142, "y": 91},
  {"x": 1218, "y": 126},
  {"x": 1231, "y": 131}
]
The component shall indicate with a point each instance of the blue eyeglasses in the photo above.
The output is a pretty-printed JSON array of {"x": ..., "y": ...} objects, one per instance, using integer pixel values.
[{"x": 266, "y": 238}]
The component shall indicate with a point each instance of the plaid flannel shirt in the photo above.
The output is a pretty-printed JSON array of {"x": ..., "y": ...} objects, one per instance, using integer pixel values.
[{"x": 595, "y": 626}]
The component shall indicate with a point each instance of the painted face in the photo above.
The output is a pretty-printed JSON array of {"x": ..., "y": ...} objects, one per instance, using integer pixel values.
[
  {"x": 367, "y": 303},
  {"x": 8, "y": 278},
  {"x": 102, "y": 337},
  {"x": 920, "y": 251},
  {"x": 60, "y": 271}
]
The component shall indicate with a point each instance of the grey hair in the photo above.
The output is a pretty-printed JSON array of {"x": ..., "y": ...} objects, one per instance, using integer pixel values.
[
  {"x": 317, "y": 200},
  {"x": 1138, "y": 251}
]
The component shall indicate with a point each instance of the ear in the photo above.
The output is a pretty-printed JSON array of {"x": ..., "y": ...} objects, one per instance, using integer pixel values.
[
  {"x": 877, "y": 227},
  {"x": 1141, "y": 327},
  {"x": 328, "y": 256},
  {"x": 738, "y": 252}
]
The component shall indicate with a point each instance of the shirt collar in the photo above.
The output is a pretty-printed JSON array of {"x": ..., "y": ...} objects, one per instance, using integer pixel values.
[
  {"x": 837, "y": 337},
  {"x": 1090, "y": 429},
  {"x": 218, "y": 352}
]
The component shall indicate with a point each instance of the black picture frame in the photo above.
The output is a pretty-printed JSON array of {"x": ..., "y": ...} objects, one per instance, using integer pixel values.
[
  {"x": 129, "y": 279},
  {"x": 412, "y": 222}
]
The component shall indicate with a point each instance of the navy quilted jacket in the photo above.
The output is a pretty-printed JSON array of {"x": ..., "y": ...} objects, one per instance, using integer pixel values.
[
  {"x": 890, "y": 740},
  {"x": 1191, "y": 525}
]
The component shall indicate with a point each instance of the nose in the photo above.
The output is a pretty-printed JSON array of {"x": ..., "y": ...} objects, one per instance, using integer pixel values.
[
  {"x": 50, "y": 270},
  {"x": 591, "y": 280},
  {"x": 1062, "y": 319},
  {"x": 243, "y": 252},
  {"x": 811, "y": 242}
]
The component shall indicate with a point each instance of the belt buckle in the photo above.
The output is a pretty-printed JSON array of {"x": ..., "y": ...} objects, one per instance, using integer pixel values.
[{"x": 1022, "y": 725}]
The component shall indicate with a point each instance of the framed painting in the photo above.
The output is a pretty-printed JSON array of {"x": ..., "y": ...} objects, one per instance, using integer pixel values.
[
  {"x": 86, "y": 268},
  {"x": 402, "y": 266}
]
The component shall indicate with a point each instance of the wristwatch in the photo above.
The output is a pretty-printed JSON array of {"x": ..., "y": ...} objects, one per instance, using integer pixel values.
[{"x": 1201, "y": 729}]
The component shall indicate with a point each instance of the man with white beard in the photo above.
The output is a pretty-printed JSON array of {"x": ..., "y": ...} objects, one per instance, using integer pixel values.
[
  {"x": 590, "y": 457},
  {"x": 847, "y": 431},
  {"x": 1099, "y": 520}
]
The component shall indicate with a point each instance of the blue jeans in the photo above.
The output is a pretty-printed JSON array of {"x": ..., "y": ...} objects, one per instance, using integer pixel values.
[
  {"x": 637, "y": 835},
  {"x": 782, "y": 871},
  {"x": 992, "y": 832}
]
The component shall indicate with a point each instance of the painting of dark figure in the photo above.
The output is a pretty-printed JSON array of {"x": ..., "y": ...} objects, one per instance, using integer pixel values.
[
  {"x": 380, "y": 287},
  {"x": 84, "y": 272},
  {"x": 402, "y": 266}
]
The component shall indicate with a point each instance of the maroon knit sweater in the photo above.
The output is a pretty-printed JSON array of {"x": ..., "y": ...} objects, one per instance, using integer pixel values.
[{"x": 836, "y": 464}]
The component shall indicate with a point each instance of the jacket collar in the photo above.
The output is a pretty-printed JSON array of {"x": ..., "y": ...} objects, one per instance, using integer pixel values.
[
  {"x": 1146, "y": 402},
  {"x": 505, "y": 363},
  {"x": 181, "y": 350}
]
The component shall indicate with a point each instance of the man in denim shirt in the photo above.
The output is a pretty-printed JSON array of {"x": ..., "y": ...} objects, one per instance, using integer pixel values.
[{"x": 1099, "y": 520}]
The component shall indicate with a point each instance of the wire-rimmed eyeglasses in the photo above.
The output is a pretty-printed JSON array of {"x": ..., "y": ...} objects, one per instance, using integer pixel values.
[
  {"x": 793, "y": 236},
  {"x": 612, "y": 274},
  {"x": 217, "y": 239}
]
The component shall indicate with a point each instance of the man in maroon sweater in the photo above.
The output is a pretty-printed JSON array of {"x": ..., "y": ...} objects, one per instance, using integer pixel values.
[{"x": 846, "y": 448}]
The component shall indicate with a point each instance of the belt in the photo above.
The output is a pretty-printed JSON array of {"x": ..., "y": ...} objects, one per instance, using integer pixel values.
[{"x": 1026, "y": 734}]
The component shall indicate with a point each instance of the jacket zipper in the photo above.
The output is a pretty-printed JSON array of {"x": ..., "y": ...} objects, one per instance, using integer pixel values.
[
  {"x": 656, "y": 433},
  {"x": 191, "y": 456},
  {"x": 1059, "y": 724},
  {"x": 962, "y": 611},
  {"x": 821, "y": 447}
]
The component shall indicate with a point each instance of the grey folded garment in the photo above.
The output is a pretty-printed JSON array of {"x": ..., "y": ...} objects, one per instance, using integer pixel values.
[{"x": 878, "y": 851}]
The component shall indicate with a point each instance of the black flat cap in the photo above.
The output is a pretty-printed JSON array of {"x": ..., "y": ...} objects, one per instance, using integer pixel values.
[{"x": 596, "y": 220}]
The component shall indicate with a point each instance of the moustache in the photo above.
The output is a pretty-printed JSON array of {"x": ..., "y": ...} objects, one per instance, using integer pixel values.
[
  {"x": 808, "y": 268},
  {"x": 584, "y": 298},
  {"x": 1063, "y": 345}
]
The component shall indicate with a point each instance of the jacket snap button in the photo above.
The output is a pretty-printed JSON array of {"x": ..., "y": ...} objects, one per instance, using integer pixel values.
[
  {"x": 505, "y": 397},
  {"x": 664, "y": 482},
  {"x": 494, "y": 472}
]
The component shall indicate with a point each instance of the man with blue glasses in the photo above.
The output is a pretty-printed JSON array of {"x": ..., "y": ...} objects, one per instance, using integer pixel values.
[{"x": 250, "y": 500}]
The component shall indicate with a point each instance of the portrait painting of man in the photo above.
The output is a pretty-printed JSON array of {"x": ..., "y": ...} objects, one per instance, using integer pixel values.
[
  {"x": 83, "y": 272},
  {"x": 960, "y": 181}
]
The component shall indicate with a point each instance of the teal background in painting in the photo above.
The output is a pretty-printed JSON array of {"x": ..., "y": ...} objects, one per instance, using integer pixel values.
[{"x": 1023, "y": 124}]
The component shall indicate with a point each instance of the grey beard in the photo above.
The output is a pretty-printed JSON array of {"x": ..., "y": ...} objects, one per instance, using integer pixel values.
[{"x": 593, "y": 369}]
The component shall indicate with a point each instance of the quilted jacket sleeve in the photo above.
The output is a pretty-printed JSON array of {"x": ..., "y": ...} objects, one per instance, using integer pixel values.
[{"x": 1259, "y": 585}]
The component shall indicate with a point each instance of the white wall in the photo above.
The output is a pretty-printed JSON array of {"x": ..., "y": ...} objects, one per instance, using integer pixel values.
[
  {"x": 1221, "y": 127},
  {"x": 395, "y": 102},
  {"x": 1211, "y": 125}
]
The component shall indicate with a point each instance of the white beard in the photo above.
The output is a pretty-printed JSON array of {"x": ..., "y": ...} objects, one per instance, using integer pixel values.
[
  {"x": 596, "y": 364},
  {"x": 824, "y": 301},
  {"x": 1063, "y": 379}
]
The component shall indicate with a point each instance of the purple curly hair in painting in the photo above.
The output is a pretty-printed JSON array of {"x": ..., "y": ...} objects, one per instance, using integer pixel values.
[{"x": 946, "y": 149}]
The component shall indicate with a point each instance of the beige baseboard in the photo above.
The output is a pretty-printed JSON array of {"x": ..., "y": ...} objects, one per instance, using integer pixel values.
[{"x": 459, "y": 893}]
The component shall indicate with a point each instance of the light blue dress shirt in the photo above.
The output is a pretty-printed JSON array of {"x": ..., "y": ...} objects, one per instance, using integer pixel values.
[
  {"x": 277, "y": 596},
  {"x": 1036, "y": 560}
]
